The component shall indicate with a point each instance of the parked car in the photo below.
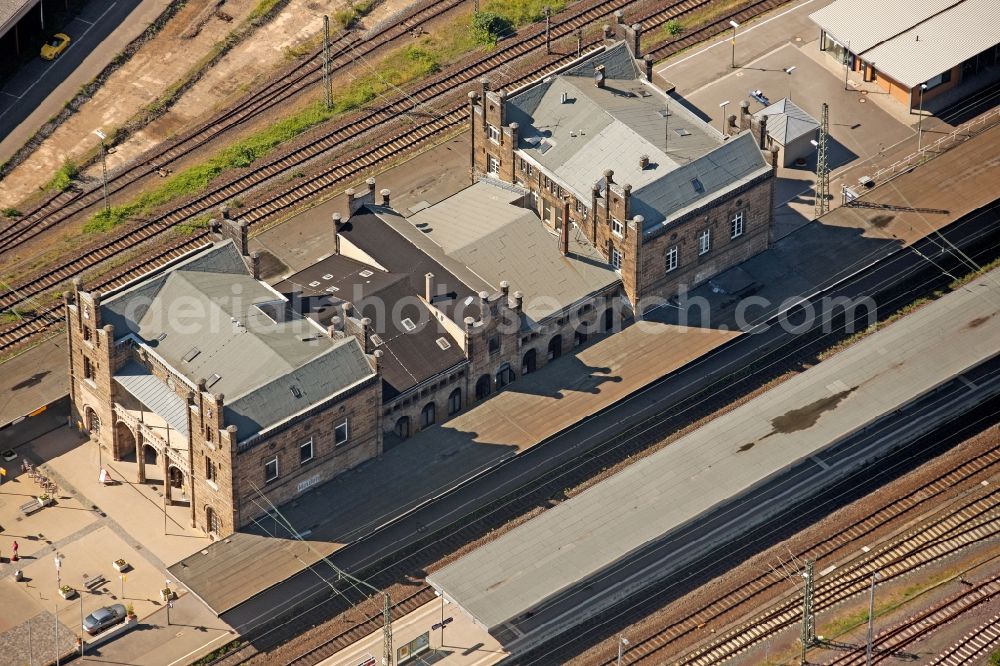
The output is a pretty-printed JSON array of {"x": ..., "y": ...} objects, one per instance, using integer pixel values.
[
  {"x": 55, "y": 45},
  {"x": 102, "y": 618}
]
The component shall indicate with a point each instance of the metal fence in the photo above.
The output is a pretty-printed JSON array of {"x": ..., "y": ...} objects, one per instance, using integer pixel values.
[{"x": 957, "y": 136}]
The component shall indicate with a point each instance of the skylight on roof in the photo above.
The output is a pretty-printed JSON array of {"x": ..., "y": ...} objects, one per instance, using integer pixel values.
[
  {"x": 295, "y": 391},
  {"x": 545, "y": 146},
  {"x": 664, "y": 113},
  {"x": 190, "y": 356},
  {"x": 680, "y": 131},
  {"x": 443, "y": 343},
  {"x": 315, "y": 283},
  {"x": 698, "y": 187},
  {"x": 408, "y": 324},
  {"x": 376, "y": 340},
  {"x": 332, "y": 289},
  {"x": 213, "y": 380},
  {"x": 468, "y": 300},
  {"x": 328, "y": 276},
  {"x": 366, "y": 273}
]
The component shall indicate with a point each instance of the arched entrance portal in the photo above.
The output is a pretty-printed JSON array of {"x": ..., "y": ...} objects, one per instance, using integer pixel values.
[
  {"x": 124, "y": 442},
  {"x": 92, "y": 422}
]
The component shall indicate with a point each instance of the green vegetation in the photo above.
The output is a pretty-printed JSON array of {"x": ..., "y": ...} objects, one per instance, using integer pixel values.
[
  {"x": 262, "y": 9},
  {"x": 218, "y": 652},
  {"x": 995, "y": 658},
  {"x": 489, "y": 27},
  {"x": 352, "y": 13},
  {"x": 673, "y": 27},
  {"x": 11, "y": 212},
  {"x": 192, "y": 225},
  {"x": 400, "y": 67},
  {"x": 64, "y": 177}
]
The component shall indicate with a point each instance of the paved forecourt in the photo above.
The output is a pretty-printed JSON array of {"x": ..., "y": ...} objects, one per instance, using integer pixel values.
[{"x": 727, "y": 457}]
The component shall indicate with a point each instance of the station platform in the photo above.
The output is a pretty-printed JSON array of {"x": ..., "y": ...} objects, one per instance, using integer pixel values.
[{"x": 516, "y": 586}]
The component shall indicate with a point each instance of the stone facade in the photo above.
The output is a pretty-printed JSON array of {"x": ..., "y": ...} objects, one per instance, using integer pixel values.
[
  {"x": 607, "y": 221},
  {"x": 211, "y": 471}
]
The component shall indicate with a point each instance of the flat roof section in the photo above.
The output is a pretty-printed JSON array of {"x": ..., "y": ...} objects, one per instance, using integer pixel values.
[
  {"x": 485, "y": 228},
  {"x": 648, "y": 499},
  {"x": 11, "y": 12}
]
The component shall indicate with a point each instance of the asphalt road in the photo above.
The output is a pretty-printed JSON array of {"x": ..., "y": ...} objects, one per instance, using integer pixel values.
[
  {"x": 40, "y": 89},
  {"x": 768, "y": 342}
]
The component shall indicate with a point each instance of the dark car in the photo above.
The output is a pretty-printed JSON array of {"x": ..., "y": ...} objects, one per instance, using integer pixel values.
[{"x": 102, "y": 618}]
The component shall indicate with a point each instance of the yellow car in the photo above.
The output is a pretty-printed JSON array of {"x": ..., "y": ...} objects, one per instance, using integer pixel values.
[{"x": 56, "y": 45}]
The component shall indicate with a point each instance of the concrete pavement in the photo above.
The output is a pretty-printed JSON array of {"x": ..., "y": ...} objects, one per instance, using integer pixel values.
[{"x": 40, "y": 89}]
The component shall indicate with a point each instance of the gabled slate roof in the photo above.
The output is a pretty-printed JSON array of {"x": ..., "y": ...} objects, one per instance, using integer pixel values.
[
  {"x": 208, "y": 318},
  {"x": 787, "y": 122}
]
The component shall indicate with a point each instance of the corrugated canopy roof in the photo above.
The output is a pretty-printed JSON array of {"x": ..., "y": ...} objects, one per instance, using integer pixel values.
[
  {"x": 154, "y": 393},
  {"x": 865, "y": 24},
  {"x": 945, "y": 40}
]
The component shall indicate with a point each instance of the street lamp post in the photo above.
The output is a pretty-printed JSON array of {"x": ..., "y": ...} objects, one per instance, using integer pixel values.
[
  {"x": 723, "y": 106},
  {"x": 104, "y": 167},
  {"x": 444, "y": 620},
  {"x": 735, "y": 25},
  {"x": 789, "y": 70},
  {"x": 81, "y": 624},
  {"x": 920, "y": 118},
  {"x": 170, "y": 604},
  {"x": 622, "y": 642}
]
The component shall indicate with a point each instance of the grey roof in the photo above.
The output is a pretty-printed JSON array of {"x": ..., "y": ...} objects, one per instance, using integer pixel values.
[
  {"x": 398, "y": 247},
  {"x": 11, "y": 12},
  {"x": 411, "y": 355},
  {"x": 734, "y": 163},
  {"x": 584, "y": 535},
  {"x": 207, "y": 318},
  {"x": 611, "y": 127},
  {"x": 945, "y": 40},
  {"x": 154, "y": 393},
  {"x": 486, "y": 229},
  {"x": 866, "y": 24},
  {"x": 786, "y": 122}
]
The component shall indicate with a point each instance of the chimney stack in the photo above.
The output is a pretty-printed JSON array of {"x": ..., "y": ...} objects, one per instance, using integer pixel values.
[
  {"x": 429, "y": 287},
  {"x": 224, "y": 211},
  {"x": 518, "y": 300},
  {"x": 378, "y": 359},
  {"x": 608, "y": 33},
  {"x": 599, "y": 76},
  {"x": 370, "y": 182},
  {"x": 385, "y": 197},
  {"x": 350, "y": 200},
  {"x": 648, "y": 60},
  {"x": 504, "y": 287},
  {"x": 366, "y": 334},
  {"x": 565, "y": 228},
  {"x": 616, "y": 18},
  {"x": 337, "y": 224},
  {"x": 763, "y": 133},
  {"x": 255, "y": 265},
  {"x": 644, "y": 162}
]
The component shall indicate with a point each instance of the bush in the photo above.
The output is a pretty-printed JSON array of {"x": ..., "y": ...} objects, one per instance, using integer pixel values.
[
  {"x": 489, "y": 27},
  {"x": 995, "y": 658},
  {"x": 522, "y": 12},
  {"x": 64, "y": 177},
  {"x": 11, "y": 212},
  {"x": 673, "y": 27}
]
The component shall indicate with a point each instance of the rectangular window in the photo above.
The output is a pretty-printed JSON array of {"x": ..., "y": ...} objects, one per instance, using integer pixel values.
[
  {"x": 493, "y": 165},
  {"x": 616, "y": 259},
  {"x": 494, "y": 133},
  {"x": 616, "y": 227},
  {"x": 704, "y": 241},
  {"x": 736, "y": 225},
  {"x": 671, "y": 259},
  {"x": 494, "y": 345},
  {"x": 306, "y": 451},
  {"x": 340, "y": 433},
  {"x": 209, "y": 469},
  {"x": 271, "y": 470},
  {"x": 88, "y": 368}
]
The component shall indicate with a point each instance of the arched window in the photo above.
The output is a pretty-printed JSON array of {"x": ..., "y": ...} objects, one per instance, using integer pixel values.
[
  {"x": 455, "y": 401},
  {"x": 427, "y": 415},
  {"x": 505, "y": 375},
  {"x": 483, "y": 387},
  {"x": 93, "y": 422},
  {"x": 402, "y": 428},
  {"x": 555, "y": 347},
  {"x": 580, "y": 336},
  {"x": 529, "y": 363},
  {"x": 609, "y": 320}
]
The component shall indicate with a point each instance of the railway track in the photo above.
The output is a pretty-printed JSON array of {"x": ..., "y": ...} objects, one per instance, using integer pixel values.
[
  {"x": 974, "y": 521},
  {"x": 974, "y": 647},
  {"x": 888, "y": 644},
  {"x": 346, "y": 48},
  {"x": 402, "y": 140}
]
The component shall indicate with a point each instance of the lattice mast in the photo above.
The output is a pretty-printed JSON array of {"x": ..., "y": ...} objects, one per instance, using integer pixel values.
[{"x": 822, "y": 168}]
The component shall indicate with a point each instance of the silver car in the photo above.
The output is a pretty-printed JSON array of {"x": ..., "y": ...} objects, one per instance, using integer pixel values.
[{"x": 102, "y": 618}]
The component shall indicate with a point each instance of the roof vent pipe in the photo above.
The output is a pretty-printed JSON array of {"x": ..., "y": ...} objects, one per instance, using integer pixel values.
[
  {"x": 644, "y": 161},
  {"x": 564, "y": 97}
]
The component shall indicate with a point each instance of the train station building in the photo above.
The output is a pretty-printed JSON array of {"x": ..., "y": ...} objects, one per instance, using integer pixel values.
[
  {"x": 661, "y": 196},
  {"x": 909, "y": 48}
]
